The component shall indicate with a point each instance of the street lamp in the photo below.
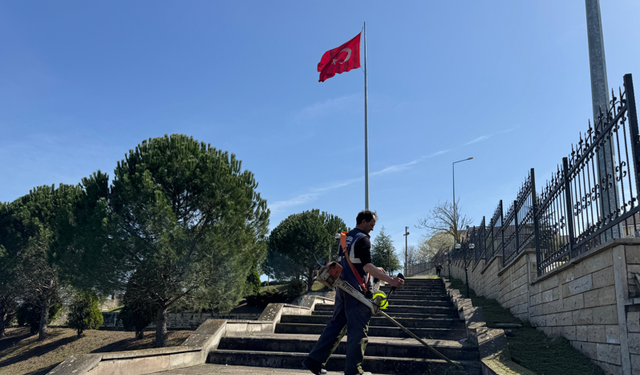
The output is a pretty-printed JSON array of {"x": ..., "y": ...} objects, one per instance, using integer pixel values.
[
  {"x": 406, "y": 251},
  {"x": 337, "y": 238},
  {"x": 471, "y": 247},
  {"x": 448, "y": 255},
  {"x": 455, "y": 212}
]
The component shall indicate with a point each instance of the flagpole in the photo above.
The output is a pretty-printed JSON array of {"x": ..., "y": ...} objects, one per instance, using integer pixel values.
[{"x": 366, "y": 136}]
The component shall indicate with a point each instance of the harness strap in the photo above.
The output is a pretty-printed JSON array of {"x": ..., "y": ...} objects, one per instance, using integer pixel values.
[{"x": 343, "y": 242}]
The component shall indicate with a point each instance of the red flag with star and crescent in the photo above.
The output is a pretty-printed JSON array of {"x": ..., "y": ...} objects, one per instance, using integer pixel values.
[{"x": 341, "y": 59}]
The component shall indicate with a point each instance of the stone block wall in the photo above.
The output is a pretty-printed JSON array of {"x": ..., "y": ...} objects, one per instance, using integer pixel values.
[
  {"x": 513, "y": 292},
  {"x": 593, "y": 300}
]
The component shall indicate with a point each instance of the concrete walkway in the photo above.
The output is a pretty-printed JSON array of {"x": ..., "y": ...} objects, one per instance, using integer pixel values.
[{"x": 207, "y": 369}]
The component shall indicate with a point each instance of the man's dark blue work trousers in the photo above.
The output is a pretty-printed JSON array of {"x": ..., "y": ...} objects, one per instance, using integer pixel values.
[{"x": 351, "y": 317}]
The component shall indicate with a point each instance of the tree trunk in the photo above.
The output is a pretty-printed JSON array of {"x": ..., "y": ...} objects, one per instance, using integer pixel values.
[
  {"x": 3, "y": 315},
  {"x": 44, "y": 317},
  {"x": 161, "y": 327},
  {"x": 310, "y": 279}
]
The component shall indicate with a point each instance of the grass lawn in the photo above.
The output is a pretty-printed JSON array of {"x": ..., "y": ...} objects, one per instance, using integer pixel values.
[
  {"x": 21, "y": 353},
  {"x": 532, "y": 348}
]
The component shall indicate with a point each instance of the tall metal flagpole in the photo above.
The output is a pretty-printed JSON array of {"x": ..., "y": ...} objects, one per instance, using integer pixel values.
[
  {"x": 366, "y": 135},
  {"x": 609, "y": 200}
]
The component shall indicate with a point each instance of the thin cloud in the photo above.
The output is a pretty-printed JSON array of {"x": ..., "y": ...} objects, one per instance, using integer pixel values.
[
  {"x": 437, "y": 153},
  {"x": 327, "y": 107},
  {"x": 396, "y": 168},
  {"x": 479, "y": 139},
  {"x": 300, "y": 199},
  {"x": 508, "y": 130},
  {"x": 315, "y": 193}
]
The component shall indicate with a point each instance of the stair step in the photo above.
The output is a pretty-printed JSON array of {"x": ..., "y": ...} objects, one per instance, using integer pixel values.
[
  {"x": 403, "y": 301},
  {"x": 432, "y": 333},
  {"x": 380, "y": 365},
  {"x": 396, "y": 348},
  {"x": 452, "y": 315},
  {"x": 378, "y": 321},
  {"x": 392, "y": 310}
]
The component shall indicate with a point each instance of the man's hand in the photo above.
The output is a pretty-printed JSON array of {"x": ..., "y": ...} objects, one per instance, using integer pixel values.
[{"x": 396, "y": 282}]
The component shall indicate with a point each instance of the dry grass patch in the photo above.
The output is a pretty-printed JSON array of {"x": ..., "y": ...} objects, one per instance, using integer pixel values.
[{"x": 21, "y": 353}]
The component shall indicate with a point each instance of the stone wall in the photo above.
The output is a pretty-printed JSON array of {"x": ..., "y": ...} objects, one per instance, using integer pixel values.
[
  {"x": 593, "y": 300},
  {"x": 179, "y": 320}
]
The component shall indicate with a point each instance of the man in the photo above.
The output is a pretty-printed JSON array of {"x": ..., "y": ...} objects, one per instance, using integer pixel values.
[
  {"x": 349, "y": 315},
  {"x": 438, "y": 269}
]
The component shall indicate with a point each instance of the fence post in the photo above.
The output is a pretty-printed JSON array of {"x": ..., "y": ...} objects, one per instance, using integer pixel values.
[
  {"x": 567, "y": 193},
  {"x": 515, "y": 219},
  {"x": 632, "y": 115},
  {"x": 502, "y": 232},
  {"x": 536, "y": 228}
]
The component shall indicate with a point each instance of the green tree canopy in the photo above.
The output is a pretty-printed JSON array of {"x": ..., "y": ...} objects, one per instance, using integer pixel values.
[
  {"x": 32, "y": 228},
  {"x": 188, "y": 221},
  {"x": 383, "y": 252},
  {"x": 8, "y": 268},
  {"x": 430, "y": 246},
  {"x": 299, "y": 242}
]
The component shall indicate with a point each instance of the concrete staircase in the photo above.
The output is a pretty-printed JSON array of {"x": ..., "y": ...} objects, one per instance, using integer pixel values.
[{"x": 421, "y": 305}]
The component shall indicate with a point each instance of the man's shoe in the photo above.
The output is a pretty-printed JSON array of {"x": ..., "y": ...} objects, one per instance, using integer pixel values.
[{"x": 314, "y": 366}]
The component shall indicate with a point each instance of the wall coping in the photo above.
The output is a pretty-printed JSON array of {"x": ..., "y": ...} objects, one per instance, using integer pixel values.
[
  {"x": 598, "y": 249},
  {"x": 490, "y": 341},
  {"x": 202, "y": 340},
  {"x": 475, "y": 265},
  {"x": 493, "y": 259},
  {"x": 514, "y": 260}
]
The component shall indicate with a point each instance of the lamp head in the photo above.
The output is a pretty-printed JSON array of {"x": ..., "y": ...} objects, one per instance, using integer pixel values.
[
  {"x": 458, "y": 246},
  {"x": 472, "y": 246}
]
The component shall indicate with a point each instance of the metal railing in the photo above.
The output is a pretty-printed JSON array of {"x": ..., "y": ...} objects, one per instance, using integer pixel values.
[{"x": 591, "y": 199}]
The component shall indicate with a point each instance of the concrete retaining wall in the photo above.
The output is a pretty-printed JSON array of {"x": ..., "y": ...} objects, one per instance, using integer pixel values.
[
  {"x": 593, "y": 300},
  {"x": 192, "y": 352}
]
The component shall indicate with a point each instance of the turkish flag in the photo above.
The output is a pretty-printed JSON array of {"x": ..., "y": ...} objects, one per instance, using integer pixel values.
[{"x": 341, "y": 59}]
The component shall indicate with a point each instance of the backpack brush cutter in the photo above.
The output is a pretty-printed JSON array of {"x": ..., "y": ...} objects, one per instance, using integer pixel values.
[{"x": 329, "y": 275}]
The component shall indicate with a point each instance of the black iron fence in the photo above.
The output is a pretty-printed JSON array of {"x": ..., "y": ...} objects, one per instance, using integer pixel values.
[{"x": 590, "y": 199}]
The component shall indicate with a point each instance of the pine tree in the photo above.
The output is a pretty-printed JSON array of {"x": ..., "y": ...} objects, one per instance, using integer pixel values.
[
  {"x": 189, "y": 222},
  {"x": 299, "y": 242},
  {"x": 383, "y": 252}
]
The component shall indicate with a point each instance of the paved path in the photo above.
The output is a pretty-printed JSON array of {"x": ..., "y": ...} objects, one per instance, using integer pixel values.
[{"x": 207, "y": 369}]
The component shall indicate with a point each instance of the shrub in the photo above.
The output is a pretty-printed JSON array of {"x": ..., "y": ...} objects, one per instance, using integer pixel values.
[
  {"x": 85, "y": 312},
  {"x": 265, "y": 298},
  {"x": 138, "y": 312},
  {"x": 295, "y": 289},
  {"x": 253, "y": 281}
]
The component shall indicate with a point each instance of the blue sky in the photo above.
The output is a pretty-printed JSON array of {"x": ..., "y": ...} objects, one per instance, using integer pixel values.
[{"x": 506, "y": 82}]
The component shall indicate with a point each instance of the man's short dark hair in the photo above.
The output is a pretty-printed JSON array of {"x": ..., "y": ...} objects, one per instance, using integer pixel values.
[{"x": 365, "y": 215}]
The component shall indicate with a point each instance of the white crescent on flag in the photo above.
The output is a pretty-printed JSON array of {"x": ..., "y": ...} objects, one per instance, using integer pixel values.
[
  {"x": 348, "y": 55},
  {"x": 345, "y": 59}
]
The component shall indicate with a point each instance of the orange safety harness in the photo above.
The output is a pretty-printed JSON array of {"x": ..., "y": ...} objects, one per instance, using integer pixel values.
[{"x": 343, "y": 243}]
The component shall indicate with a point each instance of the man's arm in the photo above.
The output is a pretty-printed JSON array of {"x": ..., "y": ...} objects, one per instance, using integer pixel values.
[{"x": 378, "y": 274}]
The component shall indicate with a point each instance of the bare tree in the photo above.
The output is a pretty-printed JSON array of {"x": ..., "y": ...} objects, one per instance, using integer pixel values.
[
  {"x": 412, "y": 255},
  {"x": 445, "y": 218},
  {"x": 428, "y": 247}
]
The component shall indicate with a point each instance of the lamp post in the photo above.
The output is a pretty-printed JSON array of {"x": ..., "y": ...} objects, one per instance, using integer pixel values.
[
  {"x": 448, "y": 255},
  {"x": 406, "y": 251},
  {"x": 337, "y": 237},
  {"x": 471, "y": 246},
  {"x": 455, "y": 212}
]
